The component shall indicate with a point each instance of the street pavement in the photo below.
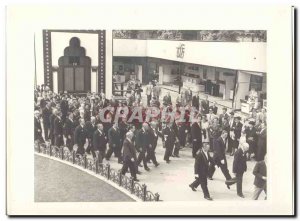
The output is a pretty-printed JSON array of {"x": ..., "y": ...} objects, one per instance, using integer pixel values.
[{"x": 172, "y": 180}]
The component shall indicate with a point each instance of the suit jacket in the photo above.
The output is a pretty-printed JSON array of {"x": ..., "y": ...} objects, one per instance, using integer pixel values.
[
  {"x": 153, "y": 137},
  {"x": 129, "y": 150},
  {"x": 204, "y": 107},
  {"x": 196, "y": 132},
  {"x": 52, "y": 119},
  {"x": 237, "y": 129},
  {"x": 167, "y": 100},
  {"x": 219, "y": 150},
  {"x": 37, "y": 126},
  {"x": 114, "y": 137},
  {"x": 64, "y": 106},
  {"x": 46, "y": 113},
  {"x": 222, "y": 117},
  {"x": 239, "y": 162},
  {"x": 99, "y": 141},
  {"x": 215, "y": 109},
  {"x": 80, "y": 135},
  {"x": 69, "y": 128},
  {"x": 195, "y": 102},
  {"x": 58, "y": 127},
  {"x": 168, "y": 136},
  {"x": 201, "y": 164},
  {"x": 143, "y": 138},
  {"x": 90, "y": 129},
  {"x": 259, "y": 171}
]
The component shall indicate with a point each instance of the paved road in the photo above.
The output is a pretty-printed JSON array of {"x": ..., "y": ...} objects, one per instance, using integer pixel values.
[
  {"x": 171, "y": 180},
  {"x": 57, "y": 182}
]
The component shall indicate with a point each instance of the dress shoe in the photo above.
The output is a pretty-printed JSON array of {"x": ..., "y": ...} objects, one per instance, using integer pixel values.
[
  {"x": 193, "y": 188},
  {"x": 138, "y": 172},
  {"x": 228, "y": 186},
  {"x": 135, "y": 179},
  {"x": 172, "y": 155},
  {"x": 177, "y": 156},
  {"x": 140, "y": 165},
  {"x": 241, "y": 195},
  {"x": 168, "y": 161},
  {"x": 208, "y": 198},
  {"x": 210, "y": 178},
  {"x": 156, "y": 165},
  {"x": 147, "y": 168}
]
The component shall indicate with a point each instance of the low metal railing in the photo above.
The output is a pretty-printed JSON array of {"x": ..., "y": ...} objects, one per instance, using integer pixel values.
[{"x": 104, "y": 170}]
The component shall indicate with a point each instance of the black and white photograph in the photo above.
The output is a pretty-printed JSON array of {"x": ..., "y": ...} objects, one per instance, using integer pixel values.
[{"x": 153, "y": 117}]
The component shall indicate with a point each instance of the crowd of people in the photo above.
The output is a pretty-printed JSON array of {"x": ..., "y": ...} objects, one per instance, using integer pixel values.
[{"x": 93, "y": 124}]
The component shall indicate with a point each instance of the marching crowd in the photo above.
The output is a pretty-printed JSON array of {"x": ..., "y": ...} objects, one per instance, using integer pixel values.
[{"x": 93, "y": 124}]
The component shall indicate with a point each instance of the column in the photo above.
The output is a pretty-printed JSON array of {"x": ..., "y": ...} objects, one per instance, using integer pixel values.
[{"x": 108, "y": 64}]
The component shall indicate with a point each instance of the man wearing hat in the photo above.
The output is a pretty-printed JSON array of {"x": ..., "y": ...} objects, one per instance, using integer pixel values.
[
  {"x": 251, "y": 138},
  {"x": 202, "y": 162},
  {"x": 239, "y": 167},
  {"x": 235, "y": 133},
  {"x": 204, "y": 105}
]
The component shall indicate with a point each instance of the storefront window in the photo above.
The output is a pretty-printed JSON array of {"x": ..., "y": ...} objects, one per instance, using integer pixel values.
[{"x": 256, "y": 82}]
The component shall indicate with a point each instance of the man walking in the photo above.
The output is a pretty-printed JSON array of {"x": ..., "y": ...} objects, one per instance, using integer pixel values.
[
  {"x": 129, "y": 156},
  {"x": 80, "y": 136},
  {"x": 99, "y": 143},
  {"x": 202, "y": 162},
  {"x": 260, "y": 181},
  {"x": 219, "y": 159},
  {"x": 239, "y": 167}
]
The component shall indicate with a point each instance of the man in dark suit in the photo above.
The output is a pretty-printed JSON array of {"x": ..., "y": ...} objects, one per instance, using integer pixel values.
[
  {"x": 196, "y": 101},
  {"x": 219, "y": 158},
  {"x": 251, "y": 138},
  {"x": 37, "y": 127},
  {"x": 196, "y": 132},
  {"x": 52, "y": 119},
  {"x": 223, "y": 116},
  {"x": 235, "y": 132},
  {"x": 260, "y": 181},
  {"x": 153, "y": 137},
  {"x": 167, "y": 99},
  {"x": 99, "y": 143},
  {"x": 115, "y": 145},
  {"x": 169, "y": 140},
  {"x": 69, "y": 129},
  {"x": 202, "y": 162},
  {"x": 204, "y": 106},
  {"x": 58, "y": 130},
  {"x": 80, "y": 136},
  {"x": 239, "y": 167},
  {"x": 143, "y": 138},
  {"x": 64, "y": 106},
  {"x": 129, "y": 156},
  {"x": 46, "y": 113},
  {"x": 90, "y": 127}
]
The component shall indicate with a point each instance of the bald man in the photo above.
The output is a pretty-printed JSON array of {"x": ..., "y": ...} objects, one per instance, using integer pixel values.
[{"x": 129, "y": 156}]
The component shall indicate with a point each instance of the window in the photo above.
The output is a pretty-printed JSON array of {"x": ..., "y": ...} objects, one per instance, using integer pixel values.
[{"x": 256, "y": 82}]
